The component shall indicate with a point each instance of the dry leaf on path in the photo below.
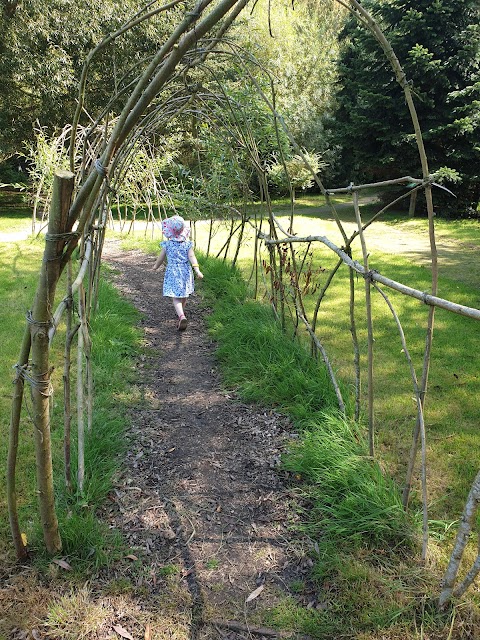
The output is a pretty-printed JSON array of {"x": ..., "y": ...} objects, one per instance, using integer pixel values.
[
  {"x": 122, "y": 632},
  {"x": 255, "y": 593},
  {"x": 62, "y": 563}
]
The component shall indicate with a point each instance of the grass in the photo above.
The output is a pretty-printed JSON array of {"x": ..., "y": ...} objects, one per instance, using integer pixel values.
[
  {"x": 86, "y": 543},
  {"x": 368, "y": 587},
  {"x": 15, "y": 219},
  {"x": 365, "y": 567},
  {"x": 350, "y": 500}
]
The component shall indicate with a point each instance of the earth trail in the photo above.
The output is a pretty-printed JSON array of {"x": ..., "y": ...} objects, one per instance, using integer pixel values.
[{"x": 201, "y": 500}]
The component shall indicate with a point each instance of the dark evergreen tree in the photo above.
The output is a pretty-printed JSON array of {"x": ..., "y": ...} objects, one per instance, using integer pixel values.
[{"x": 437, "y": 44}]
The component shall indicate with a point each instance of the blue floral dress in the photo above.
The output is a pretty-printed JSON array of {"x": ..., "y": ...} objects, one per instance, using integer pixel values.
[{"x": 178, "y": 280}]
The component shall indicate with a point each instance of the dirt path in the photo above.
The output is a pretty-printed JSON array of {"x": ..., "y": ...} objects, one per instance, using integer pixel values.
[{"x": 201, "y": 500}]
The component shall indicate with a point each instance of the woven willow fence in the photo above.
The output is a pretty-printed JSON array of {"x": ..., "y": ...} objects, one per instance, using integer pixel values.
[{"x": 95, "y": 170}]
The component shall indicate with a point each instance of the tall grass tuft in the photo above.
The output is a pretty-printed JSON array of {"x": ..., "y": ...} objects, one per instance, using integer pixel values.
[
  {"x": 265, "y": 364},
  {"x": 350, "y": 500}
]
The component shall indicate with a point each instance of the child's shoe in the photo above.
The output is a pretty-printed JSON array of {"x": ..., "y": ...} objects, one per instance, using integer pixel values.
[{"x": 182, "y": 323}]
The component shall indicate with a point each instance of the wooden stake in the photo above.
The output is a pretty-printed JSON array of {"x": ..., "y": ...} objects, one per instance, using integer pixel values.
[{"x": 40, "y": 322}]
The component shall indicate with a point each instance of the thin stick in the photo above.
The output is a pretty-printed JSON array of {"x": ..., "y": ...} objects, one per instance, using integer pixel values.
[
  {"x": 17, "y": 401},
  {"x": 80, "y": 395},
  {"x": 75, "y": 286},
  {"x": 326, "y": 360},
  {"x": 368, "y": 305},
  {"x": 420, "y": 420},
  {"x": 258, "y": 631},
  {"x": 466, "y": 524},
  {"x": 67, "y": 404},
  {"x": 356, "y": 348}
]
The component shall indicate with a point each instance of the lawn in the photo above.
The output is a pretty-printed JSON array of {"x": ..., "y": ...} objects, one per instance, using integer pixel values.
[{"x": 15, "y": 220}]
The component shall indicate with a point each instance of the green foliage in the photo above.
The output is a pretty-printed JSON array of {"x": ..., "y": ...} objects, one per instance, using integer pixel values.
[
  {"x": 298, "y": 45},
  {"x": 213, "y": 161},
  {"x": 42, "y": 50},
  {"x": 437, "y": 45},
  {"x": 47, "y": 155},
  {"x": 351, "y": 501},
  {"x": 295, "y": 172},
  {"x": 11, "y": 174}
]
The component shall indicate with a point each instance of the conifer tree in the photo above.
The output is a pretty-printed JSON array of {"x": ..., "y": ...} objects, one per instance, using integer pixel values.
[{"x": 437, "y": 44}]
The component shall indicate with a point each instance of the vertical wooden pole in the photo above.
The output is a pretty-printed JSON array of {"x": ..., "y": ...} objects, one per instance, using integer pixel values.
[
  {"x": 80, "y": 395},
  {"x": 17, "y": 401},
  {"x": 413, "y": 203},
  {"x": 368, "y": 304},
  {"x": 67, "y": 404},
  {"x": 40, "y": 321},
  {"x": 356, "y": 349}
]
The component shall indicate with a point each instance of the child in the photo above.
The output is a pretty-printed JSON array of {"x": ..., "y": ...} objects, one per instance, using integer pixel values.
[{"x": 178, "y": 280}]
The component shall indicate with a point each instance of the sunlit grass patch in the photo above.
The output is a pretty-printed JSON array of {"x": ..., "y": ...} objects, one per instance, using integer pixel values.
[
  {"x": 84, "y": 613},
  {"x": 75, "y": 615},
  {"x": 289, "y": 615},
  {"x": 350, "y": 500},
  {"x": 15, "y": 219}
]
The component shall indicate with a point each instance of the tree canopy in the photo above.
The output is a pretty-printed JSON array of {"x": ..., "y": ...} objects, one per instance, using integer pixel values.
[
  {"x": 42, "y": 51},
  {"x": 43, "y": 46},
  {"x": 299, "y": 47}
]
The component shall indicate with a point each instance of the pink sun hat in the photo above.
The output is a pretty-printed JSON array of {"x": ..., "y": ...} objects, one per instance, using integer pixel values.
[{"x": 175, "y": 228}]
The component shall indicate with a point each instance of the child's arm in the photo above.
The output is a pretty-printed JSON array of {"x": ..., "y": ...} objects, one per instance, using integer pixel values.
[
  {"x": 159, "y": 260},
  {"x": 194, "y": 262}
]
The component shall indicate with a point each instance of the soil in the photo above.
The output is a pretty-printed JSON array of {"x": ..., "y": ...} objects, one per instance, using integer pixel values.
[{"x": 202, "y": 501}]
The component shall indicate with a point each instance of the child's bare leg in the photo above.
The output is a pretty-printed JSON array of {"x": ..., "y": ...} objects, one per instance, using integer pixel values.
[
  {"x": 178, "y": 306},
  {"x": 184, "y": 302}
]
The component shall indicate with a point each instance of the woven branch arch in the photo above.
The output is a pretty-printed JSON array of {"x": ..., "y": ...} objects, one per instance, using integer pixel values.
[{"x": 99, "y": 158}]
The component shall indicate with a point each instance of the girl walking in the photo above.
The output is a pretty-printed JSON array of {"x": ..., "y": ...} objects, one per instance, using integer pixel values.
[{"x": 181, "y": 259}]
